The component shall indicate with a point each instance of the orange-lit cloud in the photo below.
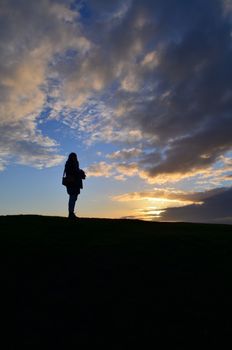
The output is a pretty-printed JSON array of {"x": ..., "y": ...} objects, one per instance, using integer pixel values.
[
  {"x": 126, "y": 153},
  {"x": 171, "y": 205},
  {"x": 215, "y": 209},
  {"x": 156, "y": 194},
  {"x": 99, "y": 169}
]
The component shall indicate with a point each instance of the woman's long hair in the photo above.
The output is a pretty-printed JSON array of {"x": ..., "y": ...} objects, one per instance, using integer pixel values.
[{"x": 72, "y": 160}]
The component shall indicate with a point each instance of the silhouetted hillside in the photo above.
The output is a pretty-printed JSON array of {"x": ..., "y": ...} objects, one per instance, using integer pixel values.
[{"x": 117, "y": 283}]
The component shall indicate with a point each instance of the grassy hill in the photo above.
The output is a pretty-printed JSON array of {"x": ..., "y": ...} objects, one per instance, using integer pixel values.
[{"x": 117, "y": 283}]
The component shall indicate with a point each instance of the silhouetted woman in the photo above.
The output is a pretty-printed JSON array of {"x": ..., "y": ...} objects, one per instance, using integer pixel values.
[{"x": 73, "y": 181}]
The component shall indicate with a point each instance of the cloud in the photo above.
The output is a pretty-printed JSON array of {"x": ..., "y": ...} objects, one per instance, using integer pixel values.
[
  {"x": 20, "y": 140},
  {"x": 124, "y": 164},
  {"x": 120, "y": 171},
  {"x": 162, "y": 77},
  {"x": 214, "y": 174},
  {"x": 127, "y": 169},
  {"x": 170, "y": 194},
  {"x": 227, "y": 4},
  {"x": 125, "y": 154},
  {"x": 175, "y": 205},
  {"x": 150, "y": 60},
  {"x": 99, "y": 169},
  {"x": 215, "y": 209},
  {"x": 178, "y": 93},
  {"x": 154, "y": 74},
  {"x": 31, "y": 35}
]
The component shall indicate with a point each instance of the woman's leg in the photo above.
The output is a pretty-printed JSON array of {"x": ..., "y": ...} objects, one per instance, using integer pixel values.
[{"x": 71, "y": 203}]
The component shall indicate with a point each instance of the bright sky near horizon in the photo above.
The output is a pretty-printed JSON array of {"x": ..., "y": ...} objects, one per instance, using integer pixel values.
[{"x": 141, "y": 90}]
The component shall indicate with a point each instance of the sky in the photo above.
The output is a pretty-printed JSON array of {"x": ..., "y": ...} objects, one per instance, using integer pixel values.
[{"x": 141, "y": 90}]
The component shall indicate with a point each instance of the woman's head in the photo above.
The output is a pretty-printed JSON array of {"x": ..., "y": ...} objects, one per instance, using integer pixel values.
[{"x": 72, "y": 157}]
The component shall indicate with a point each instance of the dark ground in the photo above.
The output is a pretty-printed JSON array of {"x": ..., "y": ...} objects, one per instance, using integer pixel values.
[{"x": 115, "y": 283}]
